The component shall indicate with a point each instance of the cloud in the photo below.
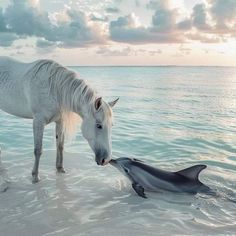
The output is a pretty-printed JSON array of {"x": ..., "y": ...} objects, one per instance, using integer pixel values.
[
  {"x": 26, "y": 20},
  {"x": 163, "y": 27},
  {"x": 184, "y": 50},
  {"x": 112, "y": 10},
  {"x": 207, "y": 24},
  {"x": 44, "y": 46},
  {"x": 125, "y": 29},
  {"x": 157, "y": 4},
  {"x": 137, "y": 3},
  {"x": 154, "y": 52},
  {"x": 141, "y": 52},
  {"x": 211, "y": 21},
  {"x": 105, "y": 51},
  {"x": 6, "y": 39},
  {"x": 164, "y": 20},
  {"x": 204, "y": 38},
  {"x": 98, "y": 17},
  {"x": 77, "y": 32},
  {"x": 126, "y": 51},
  {"x": 199, "y": 17},
  {"x": 2, "y": 22},
  {"x": 22, "y": 19},
  {"x": 42, "y": 43},
  {"x": 185, "y": 24},
  {"x": 20, "y": 52},
  {"x": 223, "y": 11}
]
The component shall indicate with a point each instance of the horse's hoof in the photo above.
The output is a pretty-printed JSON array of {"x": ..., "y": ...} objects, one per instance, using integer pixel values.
[
  {"x": 60, "y": 170},
  {"x": 35, "y": 179}
]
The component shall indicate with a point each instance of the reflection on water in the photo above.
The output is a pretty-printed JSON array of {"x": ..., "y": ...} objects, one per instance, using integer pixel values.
[{"x": 172, "y": 117}]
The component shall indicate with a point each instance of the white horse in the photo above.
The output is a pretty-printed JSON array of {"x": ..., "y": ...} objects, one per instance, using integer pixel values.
[{"x": 48, "y": 92}]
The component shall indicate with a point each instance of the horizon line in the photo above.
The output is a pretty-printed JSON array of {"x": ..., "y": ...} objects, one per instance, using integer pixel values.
[{"x": 149, "y": 66}]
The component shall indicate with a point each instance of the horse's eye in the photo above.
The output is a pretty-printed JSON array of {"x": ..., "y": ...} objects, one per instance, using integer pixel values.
[{"x": 99, "y": 126}]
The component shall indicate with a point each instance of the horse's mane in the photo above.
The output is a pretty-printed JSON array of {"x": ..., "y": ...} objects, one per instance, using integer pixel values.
[{"x": 68, "y": 90}]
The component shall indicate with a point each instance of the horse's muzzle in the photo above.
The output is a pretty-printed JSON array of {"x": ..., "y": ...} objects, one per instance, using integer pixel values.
[{"x": 101, "y": 157}]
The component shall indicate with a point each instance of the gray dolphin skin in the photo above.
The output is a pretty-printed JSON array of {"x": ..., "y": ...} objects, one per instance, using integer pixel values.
[{"x": 145, "y": 177}]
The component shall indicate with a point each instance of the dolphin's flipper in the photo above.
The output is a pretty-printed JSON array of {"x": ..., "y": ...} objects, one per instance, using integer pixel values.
[
  {"x": 192, "y": 172},
  {"x": 139, "y": 190}
]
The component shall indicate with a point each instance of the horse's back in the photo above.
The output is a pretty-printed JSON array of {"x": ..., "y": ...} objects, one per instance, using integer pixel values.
[
  {"x": 13, "y": 87},
  {"x": 25, "y": 88},
  {"x": 15, "y": 68}
]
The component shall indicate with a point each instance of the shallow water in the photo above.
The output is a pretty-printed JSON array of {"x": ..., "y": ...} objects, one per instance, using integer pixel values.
[{"x": 171, "y": 117}]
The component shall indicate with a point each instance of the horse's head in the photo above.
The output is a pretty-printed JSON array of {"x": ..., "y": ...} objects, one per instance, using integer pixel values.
[{"x": 96, "y": 129}]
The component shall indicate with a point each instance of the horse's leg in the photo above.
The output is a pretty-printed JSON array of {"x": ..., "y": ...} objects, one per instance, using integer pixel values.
[
  {"x": 38, "y": 128},
  {"x": 60, "y": 147}
]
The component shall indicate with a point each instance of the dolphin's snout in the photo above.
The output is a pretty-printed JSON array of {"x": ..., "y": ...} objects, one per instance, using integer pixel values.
[{"x": 113, "y": 162}]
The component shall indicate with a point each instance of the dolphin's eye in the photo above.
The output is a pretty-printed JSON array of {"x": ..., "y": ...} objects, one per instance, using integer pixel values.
[
  {"x": 126, "y": 170},
  {"x": 99, "y": 126}
]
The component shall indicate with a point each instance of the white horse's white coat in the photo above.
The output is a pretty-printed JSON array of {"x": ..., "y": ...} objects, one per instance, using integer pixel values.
[{"x": 46, "y": 92}]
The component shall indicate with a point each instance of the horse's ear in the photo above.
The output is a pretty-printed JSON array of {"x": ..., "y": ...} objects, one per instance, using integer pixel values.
[
  {"x": 113, "y": 103},
  {"x": 98, "y": 103}
]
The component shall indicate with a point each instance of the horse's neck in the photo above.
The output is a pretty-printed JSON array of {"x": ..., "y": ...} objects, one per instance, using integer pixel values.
[
  {"x": 71, "y": 94},
  {"x": 80, "y": 101},
  {"x": 82, "y": 109}
]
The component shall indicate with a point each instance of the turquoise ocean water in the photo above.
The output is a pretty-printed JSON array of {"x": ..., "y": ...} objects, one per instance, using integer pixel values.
[{"x": 172, "y": 118}]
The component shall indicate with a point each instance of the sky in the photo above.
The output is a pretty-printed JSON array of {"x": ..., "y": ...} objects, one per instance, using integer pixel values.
[{"x": 120, "y": 32}]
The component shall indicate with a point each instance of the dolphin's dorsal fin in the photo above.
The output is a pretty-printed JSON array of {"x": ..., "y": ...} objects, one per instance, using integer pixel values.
[{"x": 192, "y": 172}]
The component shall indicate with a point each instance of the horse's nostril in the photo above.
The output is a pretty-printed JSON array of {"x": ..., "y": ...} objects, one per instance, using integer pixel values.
[{"x": 101, "y": 161}]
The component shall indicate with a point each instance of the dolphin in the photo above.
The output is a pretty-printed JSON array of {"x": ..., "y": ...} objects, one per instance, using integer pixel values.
[{"x": 145, "y": 177}]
